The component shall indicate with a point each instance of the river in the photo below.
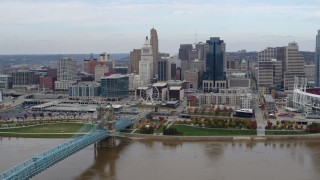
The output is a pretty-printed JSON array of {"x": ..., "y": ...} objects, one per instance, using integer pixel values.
[{"x": 159, "y": 160}]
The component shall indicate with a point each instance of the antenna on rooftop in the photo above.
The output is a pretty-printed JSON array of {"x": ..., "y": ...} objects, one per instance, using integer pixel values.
[{"x": 195, "y": 37}]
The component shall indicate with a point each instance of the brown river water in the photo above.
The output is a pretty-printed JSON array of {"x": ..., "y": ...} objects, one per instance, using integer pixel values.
[{"x": 162, "y": 160}]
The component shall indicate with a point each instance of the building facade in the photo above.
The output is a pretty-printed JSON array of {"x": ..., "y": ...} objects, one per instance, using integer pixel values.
[
  {"x": 155, "y": 49},
  {"x": 135, "y": 57},
  {"x": 100, "y": 70},
  {"x": 294, "y": 65},
  {"x": 5, "y": 81},
  {"x": 85, "y": 90},
  {"x": 309, "y": 71},
  {"x": 184, "y": 51},
  {"x": 146, "y": 63},
  {"x": 215, "y": 60},
  {"x": 269, "y": 74},
  {"x": 115, "y": 86},
  {"x": 193, "y": 76},
  {"x": 162, "y": 70}
]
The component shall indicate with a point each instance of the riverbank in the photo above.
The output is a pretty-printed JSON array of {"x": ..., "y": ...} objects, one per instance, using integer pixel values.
[{"x": 135, "y": 136}]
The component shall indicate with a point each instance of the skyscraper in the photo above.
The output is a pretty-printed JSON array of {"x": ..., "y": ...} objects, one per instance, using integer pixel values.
[
  {"x": 146, "y": 63},
  {"x": 135, "y": 57},
  {"x": 184, "y": 51},
  {"x": 67, "y": 69},
  {"x": 318, "y": 59},
  {"x": 155, "y": 49},
  {"x": 294, "y": 65},
  {"x": 214, "y": 71}
]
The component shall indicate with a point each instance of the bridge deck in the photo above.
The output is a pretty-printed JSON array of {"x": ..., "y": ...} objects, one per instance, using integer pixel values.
[{"x": 41, "y": 162}]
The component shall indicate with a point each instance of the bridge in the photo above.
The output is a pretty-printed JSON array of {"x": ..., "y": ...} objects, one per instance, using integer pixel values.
[{"x": 102, "y": 134}]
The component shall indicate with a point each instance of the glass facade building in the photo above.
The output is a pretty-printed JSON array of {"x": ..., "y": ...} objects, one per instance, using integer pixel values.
[
  {"x": 115, "y": 86},
  {"x": 215, "y": 60},
  {"x": 162, "y": 70}
]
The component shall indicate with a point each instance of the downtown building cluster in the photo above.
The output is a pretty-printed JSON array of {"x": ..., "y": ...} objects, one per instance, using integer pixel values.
[{"x": 202, "y": 72}]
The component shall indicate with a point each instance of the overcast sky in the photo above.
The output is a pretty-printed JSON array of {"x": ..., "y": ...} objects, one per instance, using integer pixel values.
[{"x": 118, "y": 26}]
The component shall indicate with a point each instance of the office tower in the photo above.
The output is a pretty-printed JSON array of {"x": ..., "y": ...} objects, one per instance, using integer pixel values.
[
  {"x": 115, "y": 86},
  {"x": 269, "y": 74},
  {"x": 309, "y": 71},
  {"x": 267, "y": 54},
  {"x": 67, "y": 74},
  {"x": 155, "y": 49},
  {"x": 214, "y": 75},
  {"x": 184, "y": 51},
  {"x": 67, "y": 69},
  {"x": 294, "y": 65},
  {"x": 146, "y": 63},
  {"x": 135, "y": 57},
  {"x": 317, "y": 60},
  {"x": 193, "y": 76},
  {"x": 104, "y": 56},
  {"x": 202, "y": 50},
  {"x": 99, "y": 72},
  {"x": 162, "y": 69}
]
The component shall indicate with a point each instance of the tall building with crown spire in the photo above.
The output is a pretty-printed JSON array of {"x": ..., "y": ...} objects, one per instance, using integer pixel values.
[
  {"x": 155, "y": 49},
  {"x": 146, "y": 63}
]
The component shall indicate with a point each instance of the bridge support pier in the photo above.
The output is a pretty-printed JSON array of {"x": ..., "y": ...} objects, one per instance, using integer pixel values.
[{"x": 109, "y": 142}]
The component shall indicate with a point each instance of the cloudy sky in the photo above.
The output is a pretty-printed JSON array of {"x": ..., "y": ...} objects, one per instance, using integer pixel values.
[{"x": 118, "y": 26}]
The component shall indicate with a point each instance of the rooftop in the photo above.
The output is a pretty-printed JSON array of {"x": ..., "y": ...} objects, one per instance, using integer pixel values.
[
  {"x": 268, "y": 98},
  {"x": 160, "y": 84},
  {"x": 175, "y": 88}
]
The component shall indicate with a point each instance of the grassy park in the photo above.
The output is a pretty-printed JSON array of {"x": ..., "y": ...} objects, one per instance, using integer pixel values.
[
  {"x": 58, "y": 130},
  {"x": 197, "y": 131}
]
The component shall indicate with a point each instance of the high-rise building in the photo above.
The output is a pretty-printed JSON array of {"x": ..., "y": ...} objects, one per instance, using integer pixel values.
[
  {"x": 67, "y": 74},
  {"x": 146, "y": 63},
  {"x": 155, "y": 49},
  {"x": 215, "y": 59},
  {"x": 202, "y": 50},
  {"x": 193, "y": 76},
  {"x": 269, "y": 74},
  {"x": 67, "y": 69},
  {"x": 317, "y": 69},
  {"x": 115, "y": 86},
  {"x": 184, "y": 51},
  {"x": 162, "y": 70},
  {"x": 294, "y": 65},
  {"x": 100, "y": 71},
  {"x": 135, "y": 57},
  {"x": 309, "y": 71}
]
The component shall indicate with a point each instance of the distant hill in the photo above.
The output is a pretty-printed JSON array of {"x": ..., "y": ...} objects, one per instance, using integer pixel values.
[{"x": 47, "y": 59}]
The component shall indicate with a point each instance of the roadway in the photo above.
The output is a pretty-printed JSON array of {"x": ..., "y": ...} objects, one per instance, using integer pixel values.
[{"x": 258, "y": 115}]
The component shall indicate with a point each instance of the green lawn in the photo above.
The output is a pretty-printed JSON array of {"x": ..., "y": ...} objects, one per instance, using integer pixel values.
[
  {"x": 47, "y": 128},
  {"x": 292, "y": 132},
  {"x": 196, "y": 131}
]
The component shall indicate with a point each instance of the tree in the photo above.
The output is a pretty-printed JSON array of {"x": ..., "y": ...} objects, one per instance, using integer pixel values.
[
  {"x": 34, "y": 115},
  {"x": 171, "y": 131},
  {"x": 200, "y": 122},
  {"x": 196, "y": 110},
  {"x": 225, "y": 109},
  {"x": 50, "y": 115},
  {"x": 212, "y": 125},
  {"x": 277, "y": 122},
  {"x": 217, "y": 111},
  {"x": 203, "y": 110},
  {"x": 41, "y": 115}
]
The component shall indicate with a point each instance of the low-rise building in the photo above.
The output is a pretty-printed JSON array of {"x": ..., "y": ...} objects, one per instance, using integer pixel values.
[
  {"x": 63, "y": 85},
  {"x": 85, "y": 89}
]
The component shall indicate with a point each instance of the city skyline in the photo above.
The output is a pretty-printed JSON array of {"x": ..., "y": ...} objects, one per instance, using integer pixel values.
[{"x": 50, "y": 27}]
